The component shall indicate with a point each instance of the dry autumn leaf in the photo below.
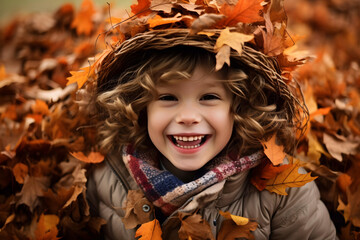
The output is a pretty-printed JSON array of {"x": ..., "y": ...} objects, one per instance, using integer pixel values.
[
  {"x": 134, "y": 213},
  {"x": 205, "y": 21},
  {"x": 149, "y": 231},
  {"x": 229, "y": 230},
  {"x": 80, "y": 77},
  {"x": 194, "y": 227},
  {"x": 20, "y": 171},
  {"x": 93, "y": 157},
  {"x": 264, "y": 172},
  {"x": 141, "y": 8},
  {"x": 245, "y": 11},
  {"x": 83, "y": 21},
  {"x": 46, "y": 228},
  {"x": 274, "y": 151},
  {"x": 237, "y": 219},
  {"x": 290, "y": 177},
  {"x": 227, "y": 39},
  {"x": 157, "y": 20}
]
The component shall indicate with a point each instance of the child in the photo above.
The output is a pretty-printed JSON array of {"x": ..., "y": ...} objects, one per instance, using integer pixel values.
[{"x": 187, "y": 137}]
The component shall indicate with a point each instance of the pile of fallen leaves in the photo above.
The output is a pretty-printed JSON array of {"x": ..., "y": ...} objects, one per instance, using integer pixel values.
[{"x": 48, "y": 143}]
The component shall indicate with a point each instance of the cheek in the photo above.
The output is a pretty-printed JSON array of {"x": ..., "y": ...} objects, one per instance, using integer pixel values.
[{"x": 156, "y": 122}]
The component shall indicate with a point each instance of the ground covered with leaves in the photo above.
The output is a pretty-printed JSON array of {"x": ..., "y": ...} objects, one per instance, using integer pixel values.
[{"x": 48, "y": 144}]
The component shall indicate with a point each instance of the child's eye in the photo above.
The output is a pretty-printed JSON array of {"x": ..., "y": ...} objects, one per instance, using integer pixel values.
[
  {"x": 209, "y": 97},
  {"x": 167, "y": 98}
]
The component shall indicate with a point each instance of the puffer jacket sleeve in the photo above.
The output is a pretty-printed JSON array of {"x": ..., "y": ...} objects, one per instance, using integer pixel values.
[
  {"x": 302, "y": 215},
  {"x": 106, "y": 196}
]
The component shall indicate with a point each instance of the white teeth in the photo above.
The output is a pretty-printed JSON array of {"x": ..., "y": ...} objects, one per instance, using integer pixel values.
[
  {"x": 188, "y": 147},
  {"x": 188, "y": 139}
]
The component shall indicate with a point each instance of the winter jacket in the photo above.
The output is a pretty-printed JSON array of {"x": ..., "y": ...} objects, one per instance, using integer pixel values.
[{"x": 298, "y": 216}]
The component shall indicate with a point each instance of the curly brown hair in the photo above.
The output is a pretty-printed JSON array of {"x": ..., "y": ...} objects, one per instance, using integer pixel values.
[{"x": 262, "y": 103}]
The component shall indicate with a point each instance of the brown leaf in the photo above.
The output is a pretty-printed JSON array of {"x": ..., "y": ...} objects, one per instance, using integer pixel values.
[
  {"x": 273, "y": 151},
  {"x": 83, "y": 20},
  {"x": 245, "y": 11},
  {"x": 32, "y": 189},
  {"x": 56, "y": 200},
  {"x": 162, "y": 5},
  {"x": 273, "y": 43},
  {"x": 337, "y": 145},
  {"x": 2, "y": 72},
  {"x": 194, "y": 227},
  {"x": 149, "y": 231},
  {"x": 134, "y": 213},
  {"x": 290, "y": 177},
  {"x": 229, "y": 230},
  {"x": 205, "y": 21}
]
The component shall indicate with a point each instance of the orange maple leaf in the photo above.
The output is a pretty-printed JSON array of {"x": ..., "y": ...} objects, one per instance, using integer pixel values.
[
  {"x": 273, "y": 151},
  {"x": 264, "y": 172},
  {"x": 93, "y": 157},
  {"x": 46, "y": 227},
  {"x": 142, "y": 8},
  {"x": 245, "y": 11},
  {"x": 80, "y": 77},
  {"x": 290, "y": 177},
  {"x": 149, "y": 231},
  {"x": 83, "y": 20}
]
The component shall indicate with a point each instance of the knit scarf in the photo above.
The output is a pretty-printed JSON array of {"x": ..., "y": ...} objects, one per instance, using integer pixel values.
[{"x": 169, "y": 193}]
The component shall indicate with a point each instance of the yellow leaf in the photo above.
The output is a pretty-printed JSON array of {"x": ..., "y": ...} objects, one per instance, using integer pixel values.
[
  {"x": 149, "y": 231},
  {"x": 80, "y": 77},
  {"x": 290, "y": 177},
  {"x": 237, "y": 219},
  {"x": 273, "y": 151}
]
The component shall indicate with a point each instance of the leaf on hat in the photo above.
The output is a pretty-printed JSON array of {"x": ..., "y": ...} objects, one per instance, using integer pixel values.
[
  {"x": 142, "y": 8},
  {"x": 234, "y": 40},
  {"x": 193, "y": 226},
  {"x": 162, "y": 5},
  {"x": 222, "y": 57},
  {"x": 158, "y": 20},
  {"x": 273, "y": 41},
  {"x": 205, "y": 21},
  {"x": 290, "y": 177},
  {"x": 83, "y": 20},
  {"x": 273, "y": 151},
  {"x": 149, "y": 231},
  {"x": 245, "y": 11}
]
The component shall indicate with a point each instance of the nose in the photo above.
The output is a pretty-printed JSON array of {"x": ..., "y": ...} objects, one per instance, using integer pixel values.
[{"x": 188, "y": 115}]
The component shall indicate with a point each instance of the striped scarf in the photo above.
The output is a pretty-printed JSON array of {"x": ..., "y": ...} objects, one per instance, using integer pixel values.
[{"x": 166, "y": 191}]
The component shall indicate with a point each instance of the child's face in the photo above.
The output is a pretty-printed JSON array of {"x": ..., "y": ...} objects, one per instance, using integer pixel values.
[{"x": 190, "y": 122}]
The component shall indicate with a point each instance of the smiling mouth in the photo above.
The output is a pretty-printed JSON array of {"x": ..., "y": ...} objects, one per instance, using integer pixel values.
[{"x": 188, "y": 142}]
